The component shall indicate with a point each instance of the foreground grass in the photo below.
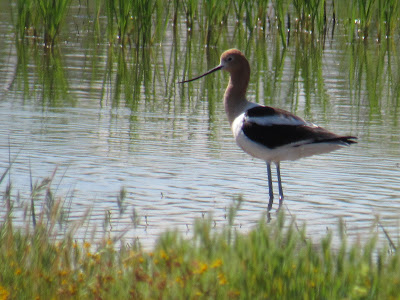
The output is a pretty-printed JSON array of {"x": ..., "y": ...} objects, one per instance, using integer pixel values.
[{"x": 275, "y": 261}]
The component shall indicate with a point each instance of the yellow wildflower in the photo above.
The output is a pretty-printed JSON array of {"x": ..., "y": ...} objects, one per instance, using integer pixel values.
[
  {"x": 72, "y": 289},
  {"x": 198, "y": 294},
  {"x": 201, "y": 268},
  {"x": 4, "y": 294},
  {"x": 164, "y": 255},
  {"x": 96, "y": 257},
  {"x": 179, "y": 280},
  {"x": 216, "y": 264},
  {"x": 222, "y": 279}
]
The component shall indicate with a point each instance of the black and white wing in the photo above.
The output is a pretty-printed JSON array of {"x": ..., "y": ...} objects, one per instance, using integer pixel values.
[{"x": 274, "y": 128}]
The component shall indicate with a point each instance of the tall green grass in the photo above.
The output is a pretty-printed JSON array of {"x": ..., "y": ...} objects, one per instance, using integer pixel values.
[
  {"x": 41, "y": 18},
  {"x": 145, "y": 71},
  {"x": 387, "y": 18},
  {"x": 138, "y": 21},
  {"x": 276, "y": 260},
  {"x": 51, "y": 13},
  {"x": 118, "y": 12}
]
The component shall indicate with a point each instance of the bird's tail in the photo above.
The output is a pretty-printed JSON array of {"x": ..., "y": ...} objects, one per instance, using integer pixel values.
[{"x": 346, "y": 140}]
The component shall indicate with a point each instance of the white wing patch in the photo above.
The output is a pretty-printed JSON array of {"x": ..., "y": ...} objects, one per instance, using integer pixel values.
[{"x": 278, "y": 119}]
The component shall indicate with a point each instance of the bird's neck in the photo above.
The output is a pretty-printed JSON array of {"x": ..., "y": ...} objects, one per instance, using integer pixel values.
[{"x": 235, "y": 96}]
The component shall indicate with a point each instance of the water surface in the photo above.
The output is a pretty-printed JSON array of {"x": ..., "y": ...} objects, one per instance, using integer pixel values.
[{"x": 105, "y": 118}]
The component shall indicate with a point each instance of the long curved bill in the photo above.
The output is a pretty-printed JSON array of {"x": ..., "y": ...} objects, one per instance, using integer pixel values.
[{"x": 205, "y": 74}]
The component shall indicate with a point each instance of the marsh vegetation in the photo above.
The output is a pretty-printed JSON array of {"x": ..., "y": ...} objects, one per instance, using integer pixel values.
[{"x": 103, "y": 154}]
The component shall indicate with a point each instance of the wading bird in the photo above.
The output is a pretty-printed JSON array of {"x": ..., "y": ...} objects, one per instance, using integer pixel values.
[{"x": 268, "y": 133}]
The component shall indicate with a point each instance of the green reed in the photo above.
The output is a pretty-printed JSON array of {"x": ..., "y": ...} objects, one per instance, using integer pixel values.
[
  {"x": 143, "y": 71},
  {"x": 261, "y": 8},
  {"x": 52, "y": 13},
  {"x": 24, "y": 18},
  {"x": 190, "y": 10},
  {"x": 213, "y": 19},
  {"x": 121, "y": 12},
  {"x": 41, "y": 18},
  {"x": 139, "y": 21},
  {"x": 281, "y": 11},
  {"x": 388, "y": 13},
  {"x": 365, "y": 9}
]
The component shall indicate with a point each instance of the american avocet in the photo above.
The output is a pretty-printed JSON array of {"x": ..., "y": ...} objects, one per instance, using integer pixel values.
[{"x": 268, "y": 133}]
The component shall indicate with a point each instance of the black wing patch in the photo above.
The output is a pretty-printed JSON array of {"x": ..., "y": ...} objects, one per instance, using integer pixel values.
[
  {"x": 261, "y": 111},
  {"x": 273, "y": 136}
]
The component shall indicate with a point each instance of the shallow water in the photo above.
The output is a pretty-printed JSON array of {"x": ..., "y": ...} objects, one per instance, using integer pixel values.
[{"x": 171, "y": 148}]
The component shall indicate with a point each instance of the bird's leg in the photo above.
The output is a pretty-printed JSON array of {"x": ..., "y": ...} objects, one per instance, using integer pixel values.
[
  {"x": 278, "y": 174},
  {"x": 271, "y": 191}
]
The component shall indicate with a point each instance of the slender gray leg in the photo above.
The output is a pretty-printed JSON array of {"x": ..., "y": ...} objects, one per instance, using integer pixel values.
[
  {"x": 278, "y": 174},
  {"x": 271, "y": 191}
]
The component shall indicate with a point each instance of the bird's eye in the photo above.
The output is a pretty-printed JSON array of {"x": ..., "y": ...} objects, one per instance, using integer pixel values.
[{"x": 229, "y": 58}]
